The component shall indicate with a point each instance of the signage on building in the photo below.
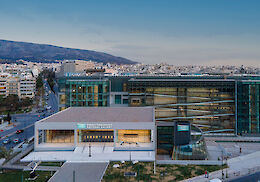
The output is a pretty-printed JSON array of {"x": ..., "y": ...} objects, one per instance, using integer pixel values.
[
  {"x": 183, "y": 127},
  {"x": 94, "y": 126},
  {"x": 81, "y": 126}
]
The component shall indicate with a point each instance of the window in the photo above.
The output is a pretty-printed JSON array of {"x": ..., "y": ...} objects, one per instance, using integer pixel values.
[
  {"x": 100, "y": 88},
  {"x": 125, "y": 101},
  {"x": 117, "y": 99}
]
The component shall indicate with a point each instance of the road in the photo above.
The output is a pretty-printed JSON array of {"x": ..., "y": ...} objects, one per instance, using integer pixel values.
[
  {"x": 26, "y": 121},
  {"x": 249, "y": 178}
]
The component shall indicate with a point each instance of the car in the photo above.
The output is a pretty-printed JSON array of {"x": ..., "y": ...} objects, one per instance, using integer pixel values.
[
  {"x": 6, "y": 141},
  {"x": 2, "y": 130},
  {"x": 48, "y": 107},
  {"x": 16, "y": 140},
  {"x": 19, "y": 131}
]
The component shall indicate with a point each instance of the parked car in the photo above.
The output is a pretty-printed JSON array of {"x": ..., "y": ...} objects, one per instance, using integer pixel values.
[
  {"x": 16, "y": 140},
  {"x": 6, "y": 141},
  {"x": 19, "y": 131},
  {"x": 48, "y": 107}
]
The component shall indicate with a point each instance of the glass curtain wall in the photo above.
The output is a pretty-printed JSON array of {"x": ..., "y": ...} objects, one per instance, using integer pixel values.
[
  {"x": 248, "y": 107},
  {"x": 87, "y": 93},
  {"x": 57, "y": 136},
  {"x": 133, "y": 136},
  {"x": 206, "y": 104}
]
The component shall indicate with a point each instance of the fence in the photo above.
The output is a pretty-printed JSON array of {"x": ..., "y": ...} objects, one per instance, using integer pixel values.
[{"x": 190, "y": 162}]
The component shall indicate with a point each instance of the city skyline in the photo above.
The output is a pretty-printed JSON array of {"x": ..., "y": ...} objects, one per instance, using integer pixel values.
[{"x": 175, "y": 32}]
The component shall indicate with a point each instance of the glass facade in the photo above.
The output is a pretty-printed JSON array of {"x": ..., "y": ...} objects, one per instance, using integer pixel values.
[
  {"x": 95, "y": 136},
  {"x": 209, "y": 105},
  {"x": 57, "y": 136},
  {"x": 165, "y": 139},
  {"x": 117, "y": 99},
  {"x": 133, "y": 136},
  {"x": 86, "y": 93},
  {"x": 212, "y": 104},
  {"x": 248, "y": 107}
]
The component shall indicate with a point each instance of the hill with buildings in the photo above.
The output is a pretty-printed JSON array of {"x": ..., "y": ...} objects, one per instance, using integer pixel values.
[{"x": 12, "y": 50}]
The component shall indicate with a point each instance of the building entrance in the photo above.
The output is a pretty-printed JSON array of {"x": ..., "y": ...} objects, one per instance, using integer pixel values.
[{"x": 97, "y": 136}]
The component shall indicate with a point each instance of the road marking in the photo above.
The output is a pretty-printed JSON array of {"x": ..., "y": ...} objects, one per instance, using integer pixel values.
[{"x": 11, "y": 134}]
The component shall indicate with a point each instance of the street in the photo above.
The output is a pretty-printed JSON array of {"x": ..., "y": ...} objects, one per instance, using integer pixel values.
[
  {"x": 26, "y": 121},
  {"x": 249, "y": 178}
]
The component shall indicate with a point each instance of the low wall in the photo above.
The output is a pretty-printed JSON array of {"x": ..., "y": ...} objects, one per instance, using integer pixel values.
[{"x": 191, "y": 162}]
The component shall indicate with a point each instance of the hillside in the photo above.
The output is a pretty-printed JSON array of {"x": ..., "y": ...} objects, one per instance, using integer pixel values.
[{"x": 13, "y": 50}]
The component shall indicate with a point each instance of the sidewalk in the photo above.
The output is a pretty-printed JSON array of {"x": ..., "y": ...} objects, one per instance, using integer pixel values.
[
  {"x": 238, "y": 166},
  {"x": 6, "y": 126}
]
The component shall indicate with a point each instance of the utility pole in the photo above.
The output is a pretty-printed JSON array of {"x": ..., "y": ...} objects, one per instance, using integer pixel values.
[
  {"x": 74, "y": 176},
  {"x": 222, "y": 164}
]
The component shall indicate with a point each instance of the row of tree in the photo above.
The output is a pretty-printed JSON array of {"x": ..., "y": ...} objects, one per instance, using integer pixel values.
[
  {"x": 13, "y": 103},
  {"x": 50, "y": 76}
]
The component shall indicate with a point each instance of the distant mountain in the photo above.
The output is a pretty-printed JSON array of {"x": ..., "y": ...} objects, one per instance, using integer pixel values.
[{"x": 12, "y": 50}]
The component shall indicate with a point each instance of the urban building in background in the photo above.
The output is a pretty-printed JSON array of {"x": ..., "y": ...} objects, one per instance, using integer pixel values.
[{"x": 211, "y": 105}]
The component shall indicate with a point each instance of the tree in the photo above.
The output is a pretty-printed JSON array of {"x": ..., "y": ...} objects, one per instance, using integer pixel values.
[
  {"x": 5, "y": 153},
  {"x": 12, "y": 101},
  {"x": 25, "y": 102},
  {"x": 39, "y": 82},
  {"x": 8, "y": 118}
]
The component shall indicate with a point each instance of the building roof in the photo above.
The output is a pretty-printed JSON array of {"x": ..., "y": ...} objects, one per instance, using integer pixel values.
[{"x": 103, "y": 114}]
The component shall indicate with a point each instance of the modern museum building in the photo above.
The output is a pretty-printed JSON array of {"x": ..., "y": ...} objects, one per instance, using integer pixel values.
[{"x": 122, "y": 128}]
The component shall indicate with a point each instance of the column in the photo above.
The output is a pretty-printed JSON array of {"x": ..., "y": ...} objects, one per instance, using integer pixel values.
[
  {"x": 249, "y": 108},
  {"x": 115, "y": 137},
  {"x": 36, "y": 138},
  {"x": 43, "y": 136},
  {"x": 75, "y": 138},
  {"x": 257, "y": 107}
]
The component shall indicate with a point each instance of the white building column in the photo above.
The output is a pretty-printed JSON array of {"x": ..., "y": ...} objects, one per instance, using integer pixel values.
[
  {"x": 36, "y": 137},
  {"x": 75, "y": 138},
  {"x": 43, "y": 136},
  {"x": 115, "y": 137}
]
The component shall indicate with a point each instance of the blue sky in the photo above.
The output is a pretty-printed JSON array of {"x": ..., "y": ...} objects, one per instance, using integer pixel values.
[{"x": 180, "y": 32}]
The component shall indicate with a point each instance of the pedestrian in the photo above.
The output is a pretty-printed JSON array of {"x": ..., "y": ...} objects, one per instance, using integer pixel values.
[
  {"x": 206, "y": 174},
  {"x": 240, "y": 150}
]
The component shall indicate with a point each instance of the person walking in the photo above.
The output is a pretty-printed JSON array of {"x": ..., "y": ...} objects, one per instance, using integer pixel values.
[{"x": 206, "y": 174}]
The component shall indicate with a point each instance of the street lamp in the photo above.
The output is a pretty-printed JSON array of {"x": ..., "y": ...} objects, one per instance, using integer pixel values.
[
  {"x": 222, "y": 164},
  {"x": 89, "y": 150}
]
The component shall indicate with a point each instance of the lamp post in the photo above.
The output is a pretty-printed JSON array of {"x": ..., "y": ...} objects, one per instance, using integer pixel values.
[
  {"x": 89, "y": 150},
  {"x": 222, "y": 164},
  {"x": 226, "y": 169}
]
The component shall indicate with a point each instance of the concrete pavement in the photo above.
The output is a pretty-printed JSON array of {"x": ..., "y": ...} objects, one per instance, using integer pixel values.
[
  {"x": 238, "y": 166},
  {"x": 80, "y": 172}
]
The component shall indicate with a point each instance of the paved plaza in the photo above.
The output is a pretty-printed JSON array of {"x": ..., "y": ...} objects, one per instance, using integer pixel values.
[
  {"x": 80, "y": 172},
  {"x": 95, "y": 153},
  {"x": 218, "y": 146}
]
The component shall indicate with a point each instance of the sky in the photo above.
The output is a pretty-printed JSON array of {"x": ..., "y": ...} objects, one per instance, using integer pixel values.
[{"x": 178, "y": 32}]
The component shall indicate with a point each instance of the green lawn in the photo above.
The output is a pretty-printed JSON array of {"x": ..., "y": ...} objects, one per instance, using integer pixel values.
[
  {"x": 57, "y": 164},
  {"x": 145, "y": 172},
  {"x": 18, "y": 176}
]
